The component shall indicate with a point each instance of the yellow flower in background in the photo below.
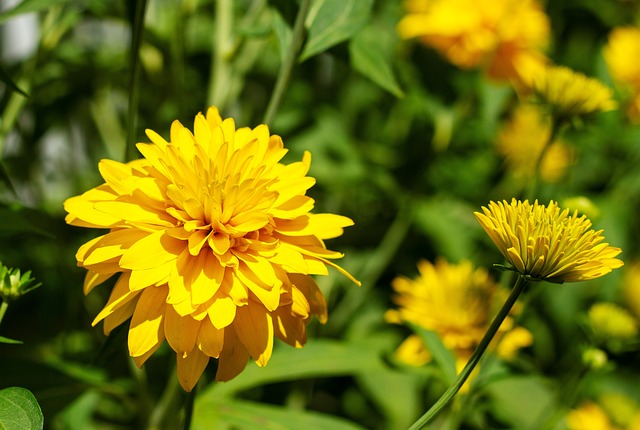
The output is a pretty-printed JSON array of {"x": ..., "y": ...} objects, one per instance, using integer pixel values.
[
  {"x": 521, "y": 141},
  {"x": 505, "y": 37},
  {"x": 621, "y": 54},
  {"x": 214, "y": 244},
  {"x": 571, "y": 93},
  {"x": 455, "y": 301},
  {"x": 547, "y": 243},
  {"x": 622, "y": 409},
  {"x": 631, "y": 287},
  {"x": 589, "y": 416},
  {"x": 611, "y": 323}
]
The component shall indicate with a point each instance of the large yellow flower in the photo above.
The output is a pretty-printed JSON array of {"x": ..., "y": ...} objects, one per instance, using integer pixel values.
[
  {"x": 522, "y": 140},
  {"x": 214, "y": 242},
  {"x": 455, "y": 301},
  {"x": 506, "y": 37},
  {"x": 589, "y": 416},
  {"x": 621, "y": 53},
  {"x": 547, "y": 243},
  {"x": 571, "y": 93}
]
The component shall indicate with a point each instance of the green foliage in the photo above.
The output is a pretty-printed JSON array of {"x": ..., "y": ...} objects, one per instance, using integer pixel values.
[
  {"x": 19, "y": 410},
  {"x": 402, "y": 142}
]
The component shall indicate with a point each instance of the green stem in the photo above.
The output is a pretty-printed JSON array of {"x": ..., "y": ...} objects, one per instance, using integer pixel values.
[
  {"x": 140, "y": 377},
  {"x": 165, "y": 405},
  {"x": 188, "y": 408},
  {"x": 134, "y": 79},
  {"x": 287, "y": 67},
  {"x": 222, "y": 49},
  {"x": 556, "y": 126},
  {"x": 3, "y": 310},
  {"x": 444, "y": 400}
]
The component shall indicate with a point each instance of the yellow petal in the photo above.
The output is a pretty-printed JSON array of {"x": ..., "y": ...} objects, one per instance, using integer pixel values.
[
  {"x": 119, "y": 316},
  {"x": 120, "y": 295},
  {"x": 180, "y": 332},
  {"x": 147, "y": 328},
  {"x": 152, "y": 251},
  {"x": 289, "y": 328},
  {"x": 222, "y": 312},
  {"x": 190, "y": 368},
  {"x": 254, "y": 328},
  {"x": 233, "y": 357},
  {"x": 210, "y": 339},
  {"x": 93, "y": 279}
]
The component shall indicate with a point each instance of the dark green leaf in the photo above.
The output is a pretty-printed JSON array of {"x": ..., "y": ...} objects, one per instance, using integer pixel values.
[
  {"x": 29, "y": 6},
  {"x": 10, "y": 341},
  {"x": 14, "y": 222},
  {"x": 4, "y": 77},
  {"x": 19, "y": 410},
  {"x": 368, "y": 57},
  {"x": 333, "y": 21},
  {"x": 282, "y": 31},
  {"x": 249, "y": 415}
]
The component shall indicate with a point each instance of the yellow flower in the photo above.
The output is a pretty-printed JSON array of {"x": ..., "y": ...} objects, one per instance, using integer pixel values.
[
  {"x": 547, "y": 243},
  {"x": 620, "y": 54},
  {"x": 631, "y": 289},
  {"x": 214, "y": 244},
  {"x": 571, "y": 93},
  {"x": 453, "y": 300},
  {"x": 623, "y": 410},
  {"x": 522, "y": 140},
  {"x": 612, "y": 323},
  {"x": 505, "y": 37},
  {"x": 589, "y": 416}
]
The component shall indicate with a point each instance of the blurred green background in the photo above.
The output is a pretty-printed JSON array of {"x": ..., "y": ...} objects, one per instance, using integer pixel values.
[{"x": 403, "y": 143}]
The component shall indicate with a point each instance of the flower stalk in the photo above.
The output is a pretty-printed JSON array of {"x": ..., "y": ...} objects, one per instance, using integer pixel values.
[
  {"x": 287, "y": 67},
  {"x": 497, "y": 321}
]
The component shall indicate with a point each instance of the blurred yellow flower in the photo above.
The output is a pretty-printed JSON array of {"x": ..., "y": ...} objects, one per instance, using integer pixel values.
[
  {"x": 214, "y": 244},
  {"x": 622, "y": 409},
  {"x": 589, "y": 416},
  {"x": 571, "y": 93},
  {"x": 631, "y": 287},
  {"x": 547, "y": 243},
  {"x": 505, "y": 37},
  {"x": 611, "y": 322},
  {"x": 455, "y": 301},
  {"x": 522, "y": 140},
  {"x": 620, "y": 54}
]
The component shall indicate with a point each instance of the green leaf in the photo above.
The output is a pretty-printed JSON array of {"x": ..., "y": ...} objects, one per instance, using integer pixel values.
[
  {"x": 443, "y": 357},
  {"x": 283, "y": 33},
  {"x": 29, "y": 6},
  {"x": 371, "y": 58},
  {"x": 4, "y": 77},
  {"x": 249, "y": 415},
  {"x": 320, "y": 358},
  {"x": 19, "y": 410},
  {"x": 10, "y": 341},
  {"x": 333, "y": 21}
]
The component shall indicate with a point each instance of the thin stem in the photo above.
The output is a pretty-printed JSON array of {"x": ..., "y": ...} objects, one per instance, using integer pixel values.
[
  {"x": 188, "y": 408},
  {"x": 222, "y": 48},
  {"x": 134, "y": 79},
  {"x": 289, "y": 62},
  {"x": 556, "y": 126},
  {"x": 166, "y": 403},
  {"x": 140, "y": 377},
  {"x": 3, "y": 310},
  {"x": 444, "y": 400}
]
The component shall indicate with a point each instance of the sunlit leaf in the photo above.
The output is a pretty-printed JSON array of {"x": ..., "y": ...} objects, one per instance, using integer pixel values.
[
  {"x": 319, "y": 358},
  {"x": 249, "y": 415},
  {"x": 10, "y": 341},
  {"x": 333, "y": 21},
  {"x": 19, "y": 410}
]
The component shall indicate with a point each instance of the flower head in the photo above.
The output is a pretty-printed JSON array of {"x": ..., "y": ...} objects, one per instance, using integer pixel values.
[
  {"x": 457, "y": 302},
  {"x": 571, "y": 93},
  {"x": 589, "y": 416},
  {"x": 547, "y": 243},
  {"x": 612, "y": 325},
  {"x": 522, "y": 141},
  {"x": 620, "y": 54},
  {"x": 506, "y": 37},
  {"x": 214, "y": 244}
]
